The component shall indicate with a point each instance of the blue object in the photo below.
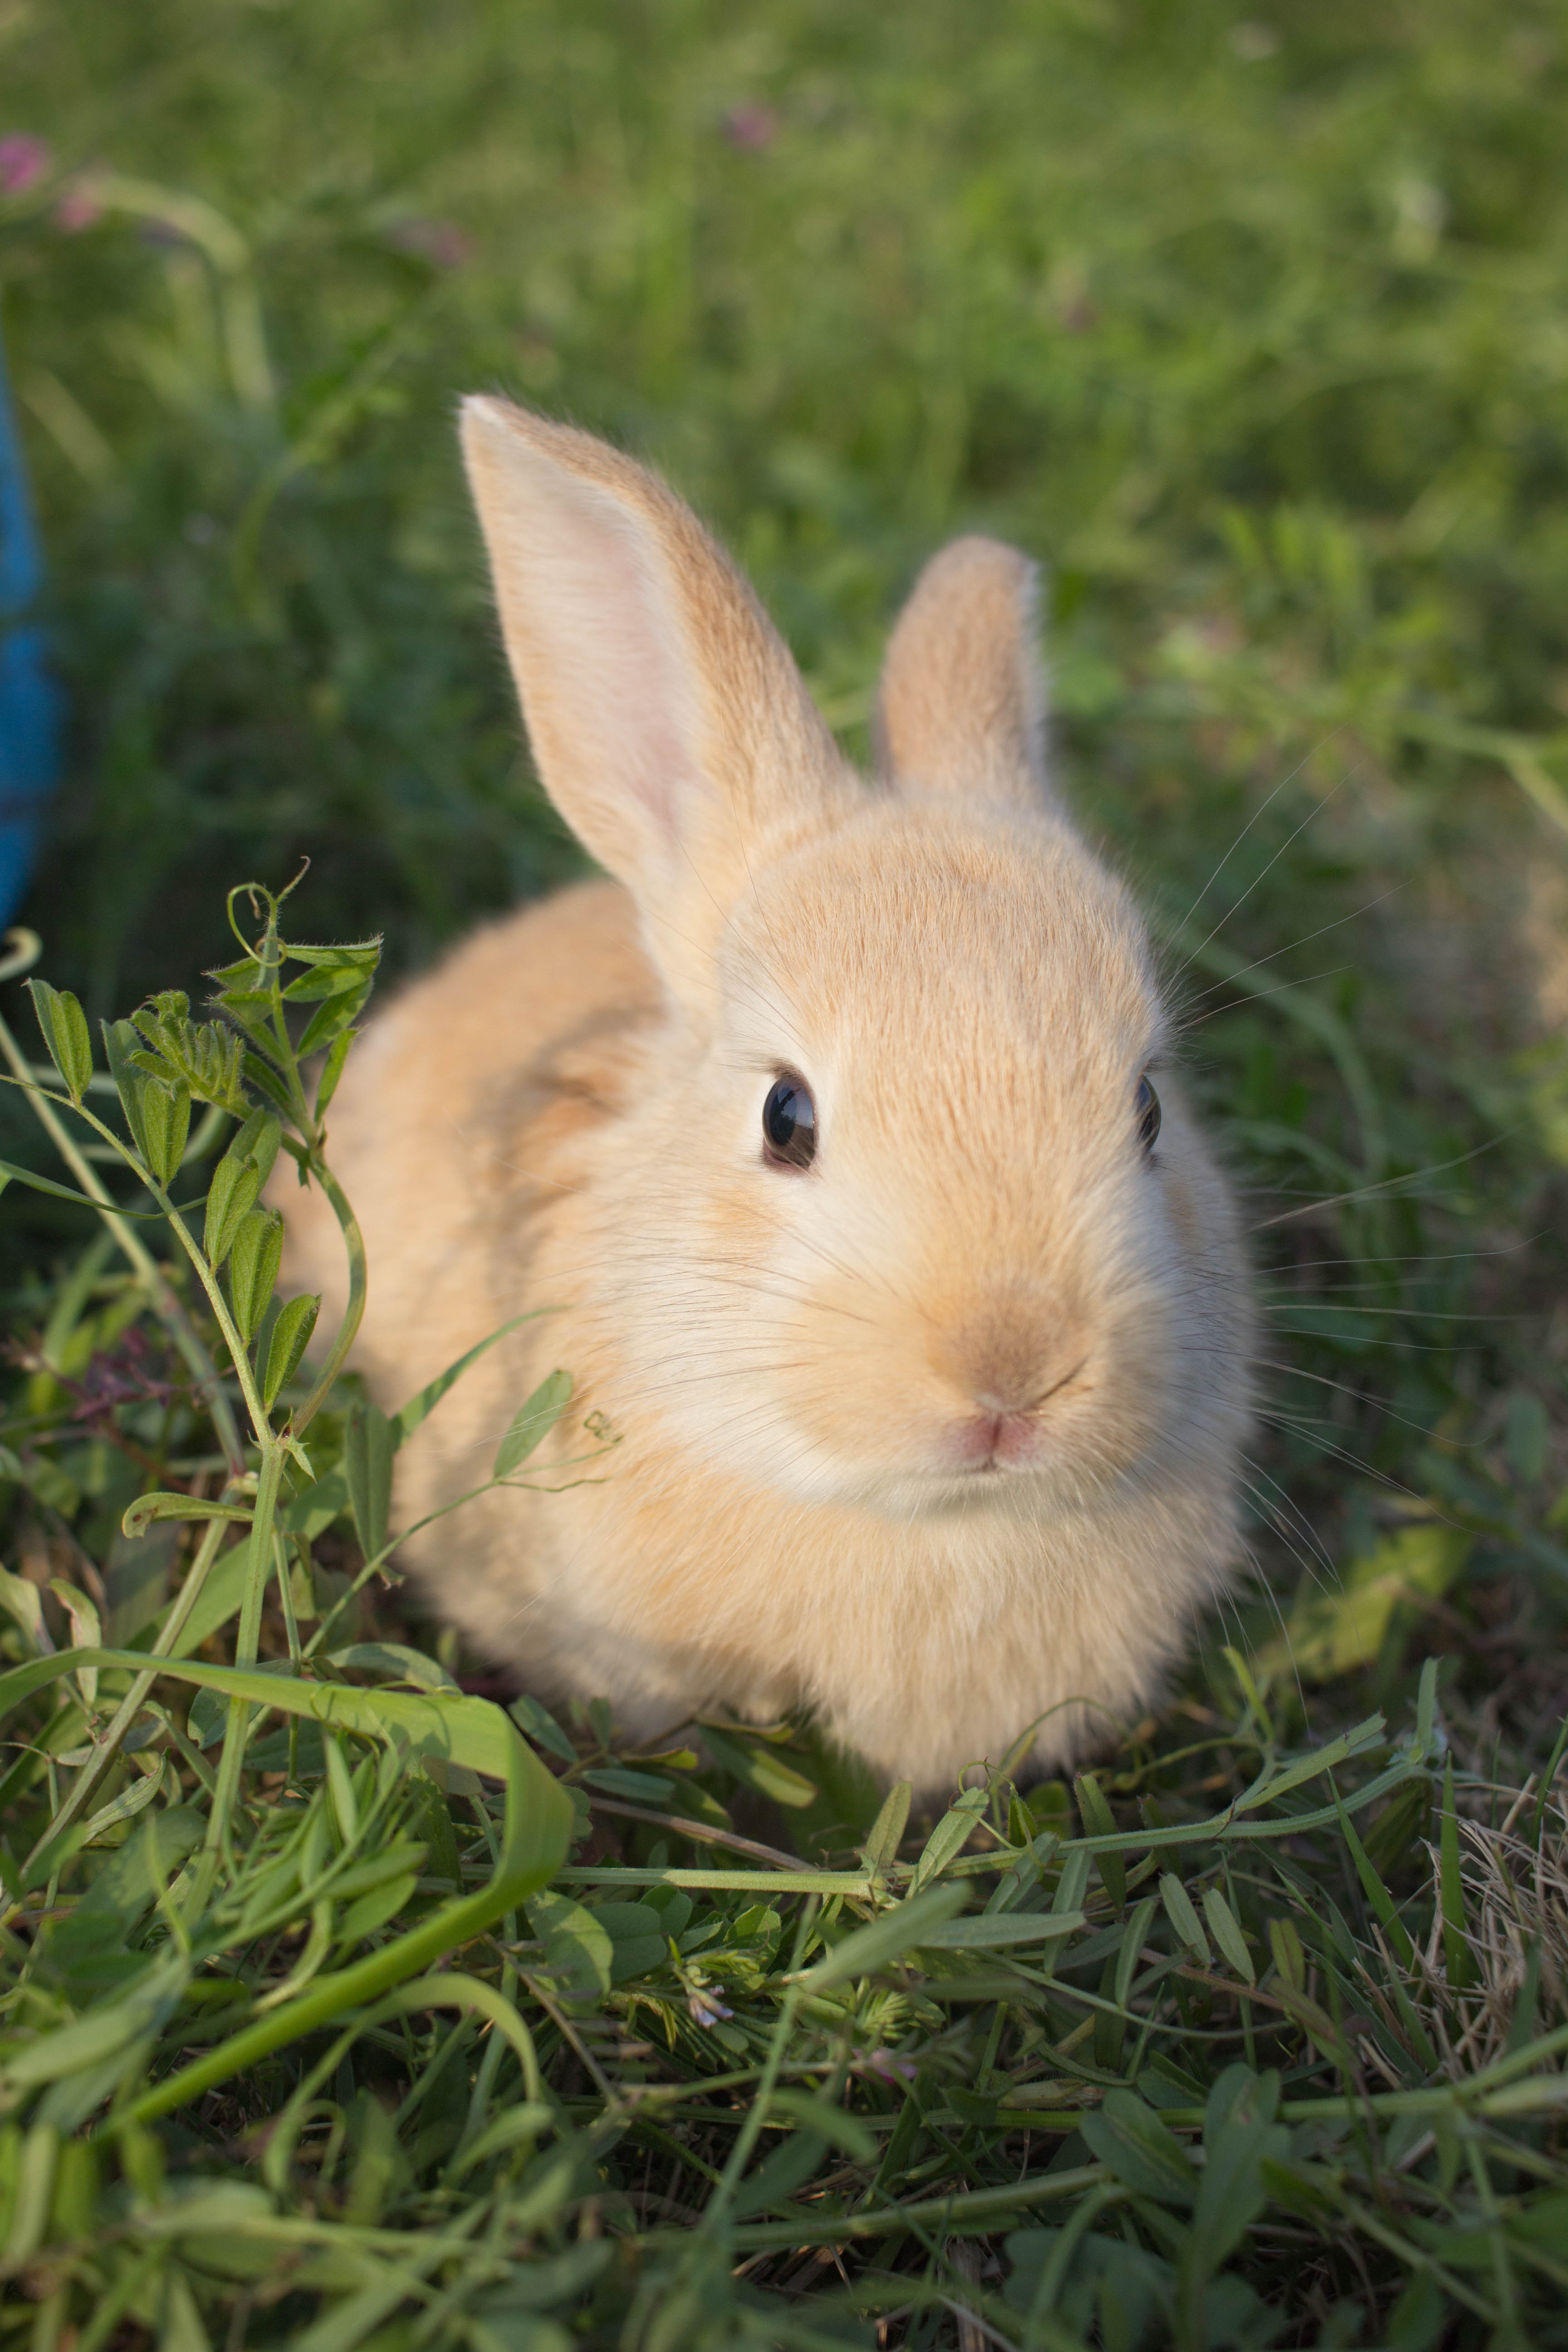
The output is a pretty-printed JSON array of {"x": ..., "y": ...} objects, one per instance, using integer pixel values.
[{"x": 30, "y": 701}]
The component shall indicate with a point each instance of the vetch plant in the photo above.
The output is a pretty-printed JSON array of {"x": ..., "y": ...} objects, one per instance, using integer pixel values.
[{"x": 162, "y": 1063}]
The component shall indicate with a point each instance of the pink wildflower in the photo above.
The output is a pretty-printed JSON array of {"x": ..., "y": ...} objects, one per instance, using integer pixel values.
[
  {"x": 23, "y": 161},
  {"x": 750, "y": 127},
  {"x": 891, "y": 2069}
]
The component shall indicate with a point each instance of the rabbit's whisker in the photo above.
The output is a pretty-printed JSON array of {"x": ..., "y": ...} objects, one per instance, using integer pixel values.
[
  {"x": 1261, "y": 811},
  {"x": 1315, "y": 812}
]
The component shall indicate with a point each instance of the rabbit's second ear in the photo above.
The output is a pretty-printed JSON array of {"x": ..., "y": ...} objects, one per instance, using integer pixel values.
[
  {"x": 669, "y": 724},
  {"x": 962, "y": 706}
]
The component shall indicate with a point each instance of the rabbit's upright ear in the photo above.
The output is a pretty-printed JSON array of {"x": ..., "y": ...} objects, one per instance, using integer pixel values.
[
  {"x": 962, "y": 707},
  {"x": 669, "y": 723}
]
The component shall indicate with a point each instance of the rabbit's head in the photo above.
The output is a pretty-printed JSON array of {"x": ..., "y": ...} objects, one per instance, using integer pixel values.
[{"x": 909, "y": 1214}]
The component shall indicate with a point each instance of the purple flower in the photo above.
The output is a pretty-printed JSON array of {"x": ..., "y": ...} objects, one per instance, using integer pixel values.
[
  {"x": 891, "y": 2069},
  {"x": 750, "y": 127},
  {"x": 706, "y": 2008},
  {"x": 22, "y": 160}
]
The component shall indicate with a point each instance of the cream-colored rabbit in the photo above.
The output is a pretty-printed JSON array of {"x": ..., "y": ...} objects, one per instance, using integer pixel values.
[{"x": 921, "y": 1317}]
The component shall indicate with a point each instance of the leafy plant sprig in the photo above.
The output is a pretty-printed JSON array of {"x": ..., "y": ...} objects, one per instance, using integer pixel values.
[{"x": 161, "y": 1062}]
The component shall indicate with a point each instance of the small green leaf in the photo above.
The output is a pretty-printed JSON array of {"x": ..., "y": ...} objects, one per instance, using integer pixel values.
[
  {"x": 340, "y": 1783},
  {"x": 880, "y": 1850},
  {"x": 367, "y": 1467},
  {"x": 1239, "y": 2138},
  {"x": 258, "y": 1139},
  {"x": 165, "y": 1125},
  {"x": 129, "y": 1880},
  {"x": 1130, "y": 2139},
  {"x": 1099, "y": 1821},
  {"x": 86, "y": 1628},
  {"x": 758, "y": 1768},
  {"x": 21, "y": 1602},
  {"x": 208, "y": 1714},
  {"x": 373, "y": 1910},
  {"x": 1179, "y": 1910},
  {"x": 254, "y": 1258},
  {"x": 1377, "y": 1892},
  {"x": 329, "y": 1020},
  {"x": 994, "y": 1930},
  {"x": 532, "y": 1716},
  {"x": 637, "y": 1788},
  {"x": 1072, "y": 1881},
  {"x": 333, "y": 1070},
  {"x": 950, "y": 1837},
  {"x": 365, "y": 954},
  {"x": 119, "y": 1042},
  {"x": 579, "y": 1951},
  {"x": 325, "y": 979},
  {"x": 290, "y": 1337},
  {"x": 1291, "y": 1960},
  {"x": 395, "y": 1658},
  {"x": 141, "y": 1514},
  {"x": 1458, "y": 1958},
  {"x": 1226, "y": 1929},
  {"x": 897, "y": 1931},
  {"x": 1131, "y": 1950},
  {"x": 230, "y": 1196},
  {"x": 66, "y": 1034},
  {"x": 260, "y": 1074},
  {"x": 532, "y": 1422}
]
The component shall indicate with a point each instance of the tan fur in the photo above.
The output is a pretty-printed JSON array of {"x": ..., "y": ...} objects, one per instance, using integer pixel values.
[
  {"x": 961, "y": 708},
  {"x": 801, "y": 1371}
]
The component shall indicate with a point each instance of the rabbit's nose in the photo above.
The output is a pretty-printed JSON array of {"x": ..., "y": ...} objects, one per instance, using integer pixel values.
[
  {"x": 1008, "y": 1362},
  {"x": 995, "y": 1438},
  {"x": 1001, "y": 1407},
  {"x": 1004, "y": 1432}
]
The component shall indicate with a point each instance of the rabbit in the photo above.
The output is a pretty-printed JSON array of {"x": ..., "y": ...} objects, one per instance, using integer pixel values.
[{"x": 908, "y": 1311}]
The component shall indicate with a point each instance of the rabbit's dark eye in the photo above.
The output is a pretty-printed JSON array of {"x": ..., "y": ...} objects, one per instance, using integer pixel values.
[
  {"x": 1146, "y": 1111},
  {"x": 789, "y": 1123}
]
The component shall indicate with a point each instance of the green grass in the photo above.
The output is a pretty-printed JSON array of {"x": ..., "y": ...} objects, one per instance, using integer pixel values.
[{"x": 1252, "y": 330}]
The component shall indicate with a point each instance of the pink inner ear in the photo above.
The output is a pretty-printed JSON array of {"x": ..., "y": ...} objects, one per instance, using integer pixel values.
[{"x": 589, "y": 614}]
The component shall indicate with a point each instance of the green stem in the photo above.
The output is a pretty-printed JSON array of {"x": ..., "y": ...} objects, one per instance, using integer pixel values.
[
  {"x": 165, "y": 1304},
  {"x": 129, "y": 1705},
  {"x": 172, "y": 1217},
  {"x": 718, "y": 2206},
  {"x": 973, "y": 2212},
  {"x": 348, "y": 1330},
  {"x": 247, "y": 1642}
]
